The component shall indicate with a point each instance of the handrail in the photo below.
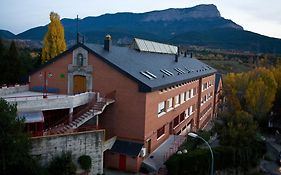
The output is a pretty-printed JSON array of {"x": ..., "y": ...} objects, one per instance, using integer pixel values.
[{"x": 65, "y": 119}]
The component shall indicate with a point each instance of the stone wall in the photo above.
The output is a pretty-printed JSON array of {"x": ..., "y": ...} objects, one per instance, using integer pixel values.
[
  {"x": 85, "y": 143},
  {"x": 11, "y": 90}
]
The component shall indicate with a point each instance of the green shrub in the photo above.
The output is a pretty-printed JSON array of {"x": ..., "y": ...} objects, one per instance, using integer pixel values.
[
  {"x": 62, "y": 165},
  {"x": 85, "y": 162}
]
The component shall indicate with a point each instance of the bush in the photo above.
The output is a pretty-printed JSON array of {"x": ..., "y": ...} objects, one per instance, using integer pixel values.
[
  {"x": 85, "y": 162},
  {"x": 226, "y": 157},
  {"x": 62, "y": 165}
]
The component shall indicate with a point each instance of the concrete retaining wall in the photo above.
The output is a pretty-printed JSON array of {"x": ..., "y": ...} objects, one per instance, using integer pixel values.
[
  {"x": 87, "y": 143},
  {"x": 11, "y": 90}
]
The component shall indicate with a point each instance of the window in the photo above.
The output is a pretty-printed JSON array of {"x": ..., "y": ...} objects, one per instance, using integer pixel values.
[
  {"x": 190, "y": 110},
  {"x": 79, "y": 59},
  {"x": 176, "y": 121},
  {"x": 182, "y": 116},
  {"x": 177, "y": 100},
  {"x": 160, "y": 132},
  {"x": 186, "y": 95},
  {"x": 170, "y": 103},
  {"x": 161, "y": 107},
  {"x": 191, "y": 93},
  {"x": 182, "y": 97},
  {"x": 205, "y": 86},
  {"x": 193, "y": 108},
  {"x": 194, "y": 91}
]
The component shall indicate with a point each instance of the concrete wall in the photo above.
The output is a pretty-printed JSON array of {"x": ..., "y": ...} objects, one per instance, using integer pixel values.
[
  {"x": 86, "y": 143},
  {"x": 11, "y": 90},
  {"x": 52, "y": 102}
]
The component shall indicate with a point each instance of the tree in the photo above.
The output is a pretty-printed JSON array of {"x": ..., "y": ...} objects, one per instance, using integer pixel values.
[
  {"x": 13, "y": 65},
  {"x": 54, "y": 42},
  {"x": 260, "y": 93},
  {"x": 253, "y": 91},
  {"x": 2, "y": 62},
  {"x": 14, "y": 143}
]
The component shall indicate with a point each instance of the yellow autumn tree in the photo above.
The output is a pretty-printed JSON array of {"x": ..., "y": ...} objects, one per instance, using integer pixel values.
[
  {"x": 252, "y": 91},
  {"x": 54, "y": 42}
]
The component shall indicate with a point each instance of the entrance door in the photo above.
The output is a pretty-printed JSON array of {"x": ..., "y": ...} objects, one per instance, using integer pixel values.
[
  {"x": 149, "y": 146},
  {"x": 79, "y": 84},
  {"x": 122, "y": 162}
]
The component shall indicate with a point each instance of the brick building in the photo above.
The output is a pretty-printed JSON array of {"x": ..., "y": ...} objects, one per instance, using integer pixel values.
[{"x": 157, "y": 90}]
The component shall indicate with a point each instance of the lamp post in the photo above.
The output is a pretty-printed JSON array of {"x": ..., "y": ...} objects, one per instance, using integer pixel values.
[
  {"x": 191, "y": 134},
  {"x": 46, "y": 76}
]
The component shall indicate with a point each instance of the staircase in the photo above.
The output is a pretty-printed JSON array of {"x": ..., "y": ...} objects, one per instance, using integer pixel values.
[{"x": 79, "y": 119}]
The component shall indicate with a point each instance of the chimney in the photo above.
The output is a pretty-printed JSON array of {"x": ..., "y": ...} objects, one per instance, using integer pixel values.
[
  {"x": 185, "y": 54},
  {"x": 176, "y": 58},
  {"x": 107, "y": 42},
  {"x": 177, "y": 55},
  {"x": 191, "y": 55}
]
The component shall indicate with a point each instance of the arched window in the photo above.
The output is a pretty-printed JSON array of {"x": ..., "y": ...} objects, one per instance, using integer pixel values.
[{"x": 79, "y": 59}]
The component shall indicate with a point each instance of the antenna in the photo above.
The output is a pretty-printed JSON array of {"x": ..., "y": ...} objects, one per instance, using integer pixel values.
[{"x": 77, "y": 33}]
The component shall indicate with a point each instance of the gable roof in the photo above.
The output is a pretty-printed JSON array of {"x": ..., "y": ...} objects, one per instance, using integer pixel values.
[{"x": 152, "y": 71}]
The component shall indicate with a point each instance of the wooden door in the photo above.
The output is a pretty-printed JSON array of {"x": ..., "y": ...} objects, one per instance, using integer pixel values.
[
  {"x": 122, "y": 162},
  {"x": 79, "y": 84}
]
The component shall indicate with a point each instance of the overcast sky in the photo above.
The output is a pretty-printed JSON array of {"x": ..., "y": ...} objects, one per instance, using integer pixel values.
[{"x": 259, "y": 16}]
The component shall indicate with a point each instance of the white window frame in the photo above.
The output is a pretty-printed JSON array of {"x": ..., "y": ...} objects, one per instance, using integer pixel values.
[
  {"x": 170, "y": 104},
  {"x": 177, "y": 100},
  {"x": 161, "y": 108},
  {"x": 182, "y": 98}
]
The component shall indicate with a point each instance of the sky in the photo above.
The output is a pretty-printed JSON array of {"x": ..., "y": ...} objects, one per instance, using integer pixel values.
[{"x": 259, "y": 16}]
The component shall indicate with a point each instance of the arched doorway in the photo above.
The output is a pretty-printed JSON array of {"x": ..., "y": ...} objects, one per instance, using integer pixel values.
[{"x": 79, "y": 84}]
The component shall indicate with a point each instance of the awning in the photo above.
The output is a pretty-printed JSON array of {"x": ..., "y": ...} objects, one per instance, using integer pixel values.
[
  {"x": 127, "y": 147},
  {"x": 31, "y": 117}
]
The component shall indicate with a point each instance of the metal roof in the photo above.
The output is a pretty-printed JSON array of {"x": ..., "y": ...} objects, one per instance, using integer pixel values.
[
  {"x": 152, "y": 71},
  {"x": 153, "y": 47},
  {"x": 132, "y": 62},
  {"x": 127, "y": 147}
]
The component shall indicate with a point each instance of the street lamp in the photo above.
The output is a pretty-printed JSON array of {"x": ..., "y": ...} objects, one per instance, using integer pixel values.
[{"x": 191, "y": 134}]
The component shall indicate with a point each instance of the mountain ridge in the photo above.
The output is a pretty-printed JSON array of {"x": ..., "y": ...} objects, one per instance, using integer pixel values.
[{"x": 201, "y": 25}]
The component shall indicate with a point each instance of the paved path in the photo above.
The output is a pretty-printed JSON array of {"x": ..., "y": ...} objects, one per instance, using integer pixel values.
[{"x": 158, "y": 157}]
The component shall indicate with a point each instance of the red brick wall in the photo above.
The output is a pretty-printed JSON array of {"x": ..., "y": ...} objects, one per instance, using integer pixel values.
[
  {"x": 153, "y": 122},
  {"x": 124, "y": 118},
  {"x": 207, "y": 116},
  {"x": 56, "y": 68}
]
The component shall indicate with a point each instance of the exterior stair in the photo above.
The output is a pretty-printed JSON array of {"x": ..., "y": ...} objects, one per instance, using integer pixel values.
[{"x": 95, "y": 110}]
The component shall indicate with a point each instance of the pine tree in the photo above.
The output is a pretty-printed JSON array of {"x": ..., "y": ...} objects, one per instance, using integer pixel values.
[
  {"x": 54, "y": 42},
  {"x": 2, "y": 62}
]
